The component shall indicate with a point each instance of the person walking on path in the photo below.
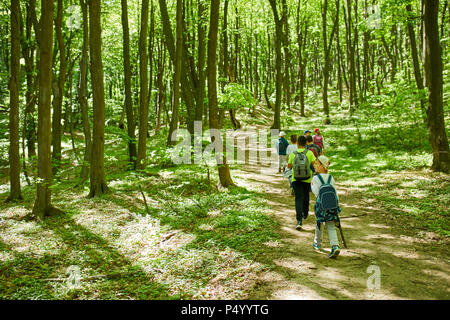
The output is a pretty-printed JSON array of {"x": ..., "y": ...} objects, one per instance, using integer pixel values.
[
  {"x": 281, "y": 146},
  {"x": 318, "y": 140},
  {"x": 328, "y": 217},
  {"x": 313, "y": 147},
  {"x": 292, "y": 145},
  {"x": 300, "y": 162}
]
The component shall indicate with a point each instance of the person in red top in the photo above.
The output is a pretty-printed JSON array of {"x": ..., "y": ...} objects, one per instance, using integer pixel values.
[{"x": 318, "y": 140}]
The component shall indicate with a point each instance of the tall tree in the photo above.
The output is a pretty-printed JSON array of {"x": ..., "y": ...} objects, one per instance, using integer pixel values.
[
  {"x": 58, "y": 90},
  {"x": 177, "y": 72},
  {"x": 327, "y": 50},
  {"x": 143, "y": 90},
  {"x": 301, "y": 42},
  {"x": 14, "y": 155},
  {"x": 28, "y": 47},
  {"x": 414, "y": 54},
  {"x": 42, "y": 206},
  {"x": 82, "y": 94},
  {"x": 223, "y": 168},
  {"x": 201, "y": 32},
  {"x": 433, "y": 81},
  {"x": 131, "y": 124},
  {"x": 350, "y": 55},
  {"x": 97, "y": 171},
  {"x": 186, "y": 81},
  {"x": 278, "y": 64},
  {"x": 287, "y": 53}
]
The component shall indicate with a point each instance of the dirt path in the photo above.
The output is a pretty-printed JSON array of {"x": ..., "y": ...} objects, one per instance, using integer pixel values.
[{"x": 411, "y": 264}]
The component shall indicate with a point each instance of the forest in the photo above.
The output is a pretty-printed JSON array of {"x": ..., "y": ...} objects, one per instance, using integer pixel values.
[{"x": 139, "y": 155}]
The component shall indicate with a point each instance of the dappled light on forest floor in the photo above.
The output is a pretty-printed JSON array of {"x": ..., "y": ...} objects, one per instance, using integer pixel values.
[{"x": 373, "y": 240}]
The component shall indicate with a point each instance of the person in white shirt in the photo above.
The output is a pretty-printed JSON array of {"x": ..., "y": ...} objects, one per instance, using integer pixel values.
[
  {"x": 327, "y": 219},
  {"x": 292, "y": 147}
]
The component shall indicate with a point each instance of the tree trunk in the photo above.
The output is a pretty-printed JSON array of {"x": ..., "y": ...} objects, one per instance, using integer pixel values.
[
  {"x": 42, "y": 206},
  {"x": 201, "y": 31},
  {"x": 160, "y": 84},
  {"x": 366, "y": 53},
  {"x": 287, "y": 54},
  {"x": 143, "y": 92},
  {"x": 327, "y": 49},
  {"x": 82, "y": 95},
  {"x": 224, "y": 170},
  {"x": 177, "y": 73},
  {"x": 151, "y": 46},
  {"x": 58, "y": 94},
  {"x": 415, "y": 57},
  {"x": 131, "y": 124},
  {"x": 186, "y": 84},
  {"x": 14, "y": 85},
  {"x": 30, "y": 96},
  {"x": 278, "y": 65},
  {"x": 97, "y": 173},
  {"x": 350, "y": 57},
  {"x": 434, "y": 83}
]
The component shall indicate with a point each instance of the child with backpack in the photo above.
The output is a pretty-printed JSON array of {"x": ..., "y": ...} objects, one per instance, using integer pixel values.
[
  {"x": 281, "y": 146},
  {"x": 327, "y": 206},
  {"x": 300, "y": 162},
  {"x": 313, "y": 147}
]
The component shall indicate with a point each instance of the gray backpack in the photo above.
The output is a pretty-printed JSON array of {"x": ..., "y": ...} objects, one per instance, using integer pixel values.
[{"x": 301, "y": 169}]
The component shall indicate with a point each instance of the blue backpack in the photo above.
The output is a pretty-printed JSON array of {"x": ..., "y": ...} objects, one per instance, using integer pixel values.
[{"x": 327, "y": 199}]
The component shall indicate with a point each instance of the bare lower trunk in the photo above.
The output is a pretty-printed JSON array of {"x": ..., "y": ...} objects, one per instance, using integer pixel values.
[
  {"x": 143, "y": 91},
  {"x": 14, "y": 154},
  {"x": 82, "y": 95},
  {"x": 97, "y": 171},
  {"x": 42, "y": 206},
  {"x": 433, "y": 80},
  {"x": 223, "y": 168},
  {"x": 131, "y": 125}
]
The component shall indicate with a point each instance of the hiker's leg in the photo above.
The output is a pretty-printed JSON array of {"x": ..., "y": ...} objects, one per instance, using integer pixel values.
[
  {"x": 306, "y": 188},
  {"x": 290, "y": 185},
  {"x": 318, "y": 235},
  {"x": 298, "y": 191},
  {"x": 282, "y": 162},
  {"x": 332, "y": 234}
]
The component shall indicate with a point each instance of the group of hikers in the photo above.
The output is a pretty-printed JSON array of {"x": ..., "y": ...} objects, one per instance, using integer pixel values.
[{"x": 304, "y": 163}]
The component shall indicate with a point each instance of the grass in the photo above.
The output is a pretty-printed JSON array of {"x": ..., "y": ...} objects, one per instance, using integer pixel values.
[{"x": 197, "y": 242}]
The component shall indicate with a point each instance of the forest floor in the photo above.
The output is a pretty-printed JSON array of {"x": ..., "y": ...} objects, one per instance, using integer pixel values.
[
  {"x": 197, "y": 241},
  {"x": 413, "y": 264}
]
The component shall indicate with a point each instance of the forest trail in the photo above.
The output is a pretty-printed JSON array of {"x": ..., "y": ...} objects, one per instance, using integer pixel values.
[{"x": 412, "y": 265}]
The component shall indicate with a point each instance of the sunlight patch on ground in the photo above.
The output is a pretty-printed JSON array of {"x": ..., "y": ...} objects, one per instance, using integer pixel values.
[
  {"x": 296, "y": 265},
  {"x": 289, "y": 291},
  {"x": 443, "y": 276},
  {"x": 379, "y": 226}
]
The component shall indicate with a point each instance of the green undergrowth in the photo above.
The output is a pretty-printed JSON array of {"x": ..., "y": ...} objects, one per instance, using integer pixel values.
[{"x": 195, "y": 241}]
